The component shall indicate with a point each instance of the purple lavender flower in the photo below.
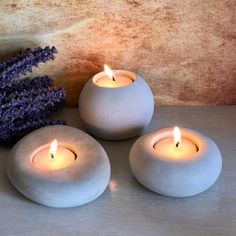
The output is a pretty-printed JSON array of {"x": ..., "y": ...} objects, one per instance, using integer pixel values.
[
  {"x": 23, "y": 63},
  {"x": 13, "y": 133},
  {"x": 25, "y": 84},
  {"x": 26, "y": 104}
]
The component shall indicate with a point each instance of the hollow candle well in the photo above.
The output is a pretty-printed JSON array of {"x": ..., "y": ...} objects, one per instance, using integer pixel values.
[
  {"x": 176, "y": 147},
  {"x": 54, "y": 157},
  {"x": 110, "y": 80}
]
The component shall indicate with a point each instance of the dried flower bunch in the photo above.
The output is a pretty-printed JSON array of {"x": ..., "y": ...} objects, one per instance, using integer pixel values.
[{"x": 26, "y": 104}]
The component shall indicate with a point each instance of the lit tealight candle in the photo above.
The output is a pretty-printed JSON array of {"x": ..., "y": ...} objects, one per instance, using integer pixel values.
[
  {"x": 54, "y": 157},
  {"x": 71, "y": 172},
  {"x": 177, "y": 163},
  {"x": 176, "y": 147},
  {"x": 110, "y": 80},
  {"x": 116, "y": 104}
]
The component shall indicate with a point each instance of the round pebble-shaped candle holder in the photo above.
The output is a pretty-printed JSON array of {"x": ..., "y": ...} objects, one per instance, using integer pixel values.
[
  {"x": 177, "y": 170},
  {"x": 78, "y": 173},
  {"x": 116, "y": 110}
]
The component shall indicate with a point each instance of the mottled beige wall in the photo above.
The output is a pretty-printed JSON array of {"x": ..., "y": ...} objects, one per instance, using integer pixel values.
[{"x": 184, "y": 48}]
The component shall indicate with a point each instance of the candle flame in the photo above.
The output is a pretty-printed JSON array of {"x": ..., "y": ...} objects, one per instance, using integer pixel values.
[
  {"x": 177, "y": 136},
  {"x": 53, "y": 148},
  {"x": 109, "y": 72}
]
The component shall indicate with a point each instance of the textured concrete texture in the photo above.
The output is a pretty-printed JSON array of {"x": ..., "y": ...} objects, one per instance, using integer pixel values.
[
  {"x": 80, "y": 183},
  {"x": 184, "y": 49},
  {"x": 117, "y": 113},
  {"x": 172, "y": 175}
]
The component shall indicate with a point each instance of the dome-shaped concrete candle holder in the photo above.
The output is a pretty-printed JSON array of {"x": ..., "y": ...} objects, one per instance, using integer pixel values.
[
  {"x": 172, "y": 170},
  {"x": 116, "y": 110},
  {"x": 76, "y": 175}
]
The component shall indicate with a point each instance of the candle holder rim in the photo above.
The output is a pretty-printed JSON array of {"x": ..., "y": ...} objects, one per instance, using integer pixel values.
[
  {"x": 29, "y": 167},
  {"x": 149, "y": 140},
  {"x": 72, "y": 149},
  {"x": 132, "y": 76}
]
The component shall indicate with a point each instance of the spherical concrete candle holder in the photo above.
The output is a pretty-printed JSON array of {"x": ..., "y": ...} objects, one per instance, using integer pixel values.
[
  {"x": 175, "y": 168},
  {"x": 73, "y": 173},
  {"x": 116, "y": 110}
]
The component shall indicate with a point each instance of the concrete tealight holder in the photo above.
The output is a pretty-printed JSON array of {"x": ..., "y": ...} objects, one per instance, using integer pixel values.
[
  {"x": 182, "y": 169},
  {"x": 72, "y": 173},
  {"x": 116, "y": 109}
]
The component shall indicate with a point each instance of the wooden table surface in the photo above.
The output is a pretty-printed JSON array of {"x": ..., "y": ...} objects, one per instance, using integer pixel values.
[{"x": 126, "y": 207}]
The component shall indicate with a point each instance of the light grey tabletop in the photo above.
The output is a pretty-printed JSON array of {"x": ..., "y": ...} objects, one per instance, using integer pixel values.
[{"x": 126, "y": 207}]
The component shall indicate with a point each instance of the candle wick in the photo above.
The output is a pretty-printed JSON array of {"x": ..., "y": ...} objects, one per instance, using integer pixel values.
[
  {"x": 177, "y": 144},
  {"x": 52, "y": 156},
  {"x": 113, "y": 78}
]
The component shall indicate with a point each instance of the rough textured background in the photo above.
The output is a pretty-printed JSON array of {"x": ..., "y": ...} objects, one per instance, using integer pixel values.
[{"x": 184, "y": 48}]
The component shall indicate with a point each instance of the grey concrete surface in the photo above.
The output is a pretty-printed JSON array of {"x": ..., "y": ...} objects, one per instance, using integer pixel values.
[{"x": 127, "y": 208}]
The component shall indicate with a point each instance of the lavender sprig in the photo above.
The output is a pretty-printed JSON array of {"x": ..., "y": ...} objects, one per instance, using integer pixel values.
[
  {"x": 14, "y": 59},
  {"x": 11, "y": 134},
  {"x": 28, "y": 83},
  {"x": 23, "y": 63},
  {"x": 35, "y": 105},
  {"x": 26, "y": 104}
]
